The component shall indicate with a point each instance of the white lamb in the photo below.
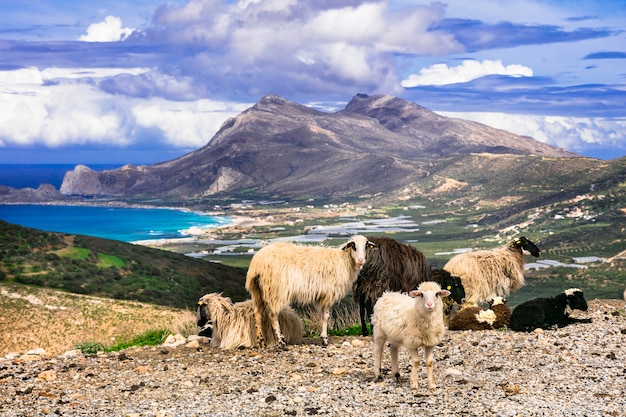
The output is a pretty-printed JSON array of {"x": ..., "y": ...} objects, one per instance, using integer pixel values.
[
  {"x": 284, "y": 273},
  {"x": 412, "y": 321}
]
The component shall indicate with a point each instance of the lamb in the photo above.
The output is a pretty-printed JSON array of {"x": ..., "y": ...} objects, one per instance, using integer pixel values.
[
  {"x": 232, "y": 326},
  {"x": 486, "y": 274},
  {"x": 545, "y": 313},
  {"x": 497, "y": 316},
  {"x": 412, "y": 321},
  {"x": 396, "y": 266},
  {"x": 283, "y": 273}
]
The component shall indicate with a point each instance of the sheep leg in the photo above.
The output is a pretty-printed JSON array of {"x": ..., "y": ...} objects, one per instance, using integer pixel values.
[
  {"x": 276, "y": 326},
  {"x": 430, "y": 365},
  {"x": 259, "y": 310},
  {"x": 379, "y": 344},
  {"x": 325, "y": 317},
  {"x": 393, "y": 351},
  {"x": 362, "y": 315},
  {"x": 415, "y": 361},
  {"x": 369, "y": 307}
]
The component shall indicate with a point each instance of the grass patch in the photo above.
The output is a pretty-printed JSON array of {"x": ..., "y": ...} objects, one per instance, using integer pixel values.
[
  {"x": 148, "y": 338},
  {"x": 73, "y": 252},
  {"x": 350, "y": 331},
  {"x": 108, "y": 261}
]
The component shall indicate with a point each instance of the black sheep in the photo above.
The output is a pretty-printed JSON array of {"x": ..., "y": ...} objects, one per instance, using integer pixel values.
[
  {"x": 546, "y": 313},
  {"x": 395, "y": 266}
]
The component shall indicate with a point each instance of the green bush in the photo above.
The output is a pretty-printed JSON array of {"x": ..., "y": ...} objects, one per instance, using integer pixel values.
[{"x": 149, "y": 338}]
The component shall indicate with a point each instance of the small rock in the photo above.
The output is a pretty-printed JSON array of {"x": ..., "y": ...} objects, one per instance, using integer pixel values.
[
  {"x": 194, "y": 344},
  {"x": 38, "y": 351},
  {"x": 47, "y": 375},
  {"x": 453, "y": 372},
  {"x": 72, "y": 353}
]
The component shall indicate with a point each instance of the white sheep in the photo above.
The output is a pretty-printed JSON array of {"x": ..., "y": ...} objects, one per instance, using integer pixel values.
[
  {"x": 283, "y": 273},
  {"x": 486, "y": 274},
  {"x": 412, "y": 321},
  {"x": 233, "y": 325}
]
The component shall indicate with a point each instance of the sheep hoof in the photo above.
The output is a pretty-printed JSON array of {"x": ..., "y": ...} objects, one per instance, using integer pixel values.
[
  {"x": 397, "y": 375},
  {"x": 325, "y": 341},
  {"x": 379, "y": 378}
]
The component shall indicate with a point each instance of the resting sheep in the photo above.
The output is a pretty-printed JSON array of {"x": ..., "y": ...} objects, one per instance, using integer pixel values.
[
  {"x": 412, "y": 321},
  {"x": 283, "y": 273},
  {"x": 545, "y": 313},
  {"x": 233, "y": 326},
  {"x": 497, "y": 316},
  {"x": 486, "y": 274},
  {"x": 395, "y": 266}
]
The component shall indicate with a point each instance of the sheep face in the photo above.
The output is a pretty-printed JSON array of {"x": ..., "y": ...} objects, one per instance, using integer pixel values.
[
  {"x": 576, "y": 300},
  {"x": 358, "y": 246},
  {"x": 430, "y": 295},
  {"x": 527, "y": 245},
  {"x": 203, "y": 320},
  {"x": 455, "y": 286},
  {"x": 202, "y": 314}
]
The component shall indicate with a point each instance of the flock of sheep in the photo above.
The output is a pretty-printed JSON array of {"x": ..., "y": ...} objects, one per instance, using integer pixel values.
[{"x": 408, "y": 303}]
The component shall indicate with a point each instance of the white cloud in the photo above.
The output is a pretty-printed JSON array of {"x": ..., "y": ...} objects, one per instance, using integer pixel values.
[
  {"x": 576, "y": 134},
  {"x": 441, "y": 74},
  {"x": 109, "y": 30},
  {"x": 334, "y": 44},
  {"x": 185, "y": 124},
  {"x": 41, "y": 109}
]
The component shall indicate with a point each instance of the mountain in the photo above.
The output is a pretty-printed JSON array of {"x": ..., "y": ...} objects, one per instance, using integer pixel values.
[{"x": 278, "y": 148}]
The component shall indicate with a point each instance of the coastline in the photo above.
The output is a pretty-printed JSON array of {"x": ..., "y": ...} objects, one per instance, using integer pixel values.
[
  {"x": 192, "y": 233},
  {"x": 238, "y": 223}
]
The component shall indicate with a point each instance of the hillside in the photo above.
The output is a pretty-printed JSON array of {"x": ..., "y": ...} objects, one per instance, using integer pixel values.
[
  {"x": 106, "y": 268},
  {"x": 57, "y": 321}
]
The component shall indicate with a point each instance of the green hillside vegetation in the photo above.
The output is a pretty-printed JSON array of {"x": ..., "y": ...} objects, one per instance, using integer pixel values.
[{"x": 106, "y": 268}]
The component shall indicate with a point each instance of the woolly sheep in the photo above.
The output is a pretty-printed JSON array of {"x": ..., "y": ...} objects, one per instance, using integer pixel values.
[
  {"x": 497, "y": 316},
  {"x": 283, "y": 273},
  {"x": 233, "y": 326},
  {"x": 492, "y": 273},
  {"x": 412, "y": 321},
  {"x": 395, "y": 266},
  {"x": 545, "y": 313}
]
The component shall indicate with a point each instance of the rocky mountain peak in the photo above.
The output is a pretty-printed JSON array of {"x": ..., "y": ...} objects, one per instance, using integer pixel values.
[{"x": 281, "y": 148}]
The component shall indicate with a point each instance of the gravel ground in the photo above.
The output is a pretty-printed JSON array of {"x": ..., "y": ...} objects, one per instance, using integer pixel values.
[{"x": 579, "y": 370}]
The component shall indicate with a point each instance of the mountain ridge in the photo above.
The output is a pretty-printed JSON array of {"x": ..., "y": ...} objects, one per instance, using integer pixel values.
[{"x": 281, "y": 148}]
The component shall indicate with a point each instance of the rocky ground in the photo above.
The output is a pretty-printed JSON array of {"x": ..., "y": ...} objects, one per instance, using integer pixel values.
[{"x": 579, "y": 370}]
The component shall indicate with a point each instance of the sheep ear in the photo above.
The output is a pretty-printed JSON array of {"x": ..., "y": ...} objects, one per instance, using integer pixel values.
[
  {"x": 444, "y": 293},
  {"x": 415, "y": 293},
  {"x": 349, "y": 245}
]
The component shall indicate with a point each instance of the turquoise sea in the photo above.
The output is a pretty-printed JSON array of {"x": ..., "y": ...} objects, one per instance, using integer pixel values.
[{"x": 125, "y": 224}]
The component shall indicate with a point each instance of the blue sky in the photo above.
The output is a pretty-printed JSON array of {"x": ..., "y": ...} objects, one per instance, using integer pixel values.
[{"x": 146, "y": 81}]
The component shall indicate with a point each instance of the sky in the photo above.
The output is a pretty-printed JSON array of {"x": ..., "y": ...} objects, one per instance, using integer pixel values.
[{"x": 146, "y": 81}]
